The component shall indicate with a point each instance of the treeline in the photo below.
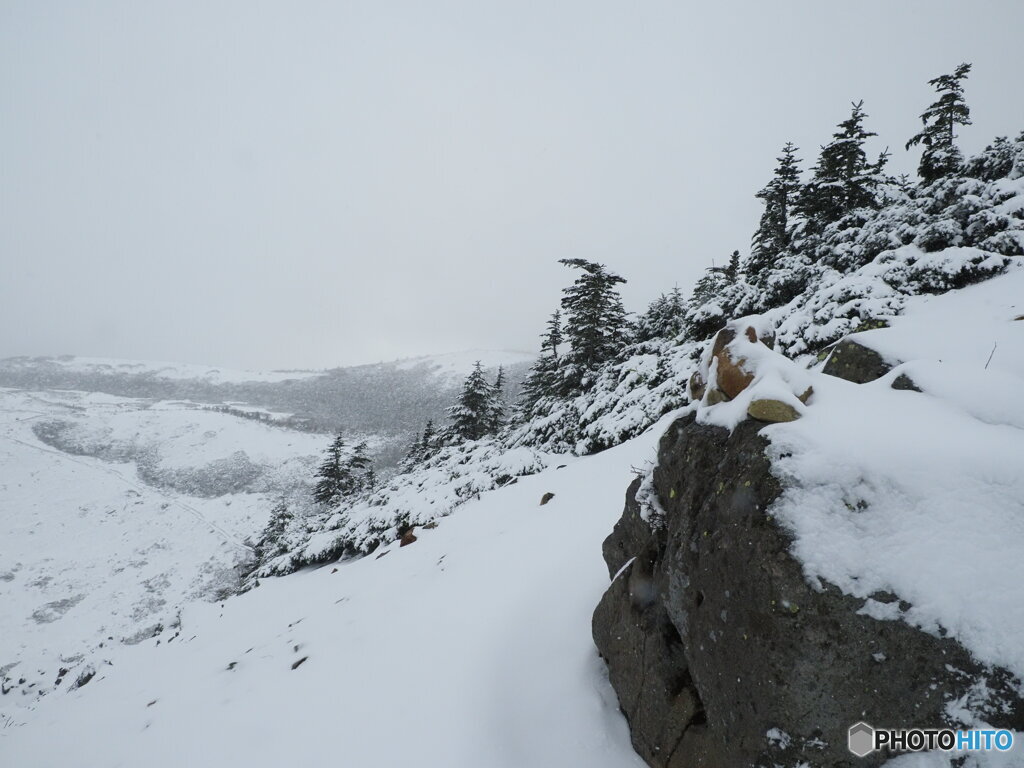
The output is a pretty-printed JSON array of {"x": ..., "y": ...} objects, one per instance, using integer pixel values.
[{"x": 820, "y": 224}]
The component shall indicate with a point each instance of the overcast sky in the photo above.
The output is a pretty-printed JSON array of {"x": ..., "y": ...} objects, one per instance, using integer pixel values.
[{"x": 308, "y": 184}]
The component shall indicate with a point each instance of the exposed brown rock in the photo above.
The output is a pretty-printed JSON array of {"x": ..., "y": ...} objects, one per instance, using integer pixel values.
[
  {"x": 407, "y": 538},
  {"x": 546, "y": 498}
]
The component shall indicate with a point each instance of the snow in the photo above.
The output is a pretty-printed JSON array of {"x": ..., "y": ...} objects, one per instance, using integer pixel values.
[
  {"x": 470, "y": 647},
  {"x": 93, "y": 553},
  {"x": 922, "y": 495}
]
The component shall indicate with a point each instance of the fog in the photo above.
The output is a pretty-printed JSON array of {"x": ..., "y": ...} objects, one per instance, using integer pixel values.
[{"x": 309, "y": 184}]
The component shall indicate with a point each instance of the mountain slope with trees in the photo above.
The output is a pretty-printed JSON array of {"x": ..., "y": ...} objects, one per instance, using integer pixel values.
[{"x": 838, "y": 249}]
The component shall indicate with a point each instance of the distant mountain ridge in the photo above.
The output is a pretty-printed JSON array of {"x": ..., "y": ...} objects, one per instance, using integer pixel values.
[{"x": 391, "y": 399}]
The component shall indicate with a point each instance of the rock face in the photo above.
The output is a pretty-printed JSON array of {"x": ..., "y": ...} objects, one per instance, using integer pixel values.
[
  {"x": 855, "y": 362},
  {"x": 723, "y": 656}
]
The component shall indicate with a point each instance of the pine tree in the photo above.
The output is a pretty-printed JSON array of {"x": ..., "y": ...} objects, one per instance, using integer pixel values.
[
  {"x": 732, "y": 268},
  {"x": 428, "y": 441},
  {"x": 544, "y": 374},
  {"x": 472, "y": 416},
  {"x": 941, "y": 157},
  {"x": 496, "y": 416},
  {"x": 342, "y": 475},
  {"x": 333, "y": 474},
  {"x": 843, "y": 179},
  {"x": 773, "y": 233},
  {"x": 422, "y": 448},
  {"x": 665, "y": 318},
  {"x": 704, "y": 313},
  {"x": 595, "y": 321},
  {"x": 272, "y": 540}
]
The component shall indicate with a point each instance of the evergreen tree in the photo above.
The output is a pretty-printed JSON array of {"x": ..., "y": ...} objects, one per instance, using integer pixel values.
[
  {"x": 496, "y": 417},
  {"x": 543, "y": 377},
  {"x": 705, "y": 314},
  {"x": 665, "y": 318},
  {"x": 332, "y": 473},
  {"x": 595, "y": 321},
  {"x": 773, "y": 233},
  {"x": 553, "y": 337},
  {"x": 941, "y": 157},
  {"x": 342, "y": 475},
  {"x": 843, "y": 179},
  {"x": 731, "y": 272},
  {"x": 428, "y": 441},
  {"x": 472, "y": 416},
  {"x": 272, "y": 540}
]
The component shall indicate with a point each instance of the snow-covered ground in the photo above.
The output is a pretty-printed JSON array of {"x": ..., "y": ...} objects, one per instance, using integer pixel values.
[
  {"x": 922, "y": 494},
  {"x": 100, "y": 545},
  {"x": 471, "y": 647},
  {"x": 916, "y": 494}
]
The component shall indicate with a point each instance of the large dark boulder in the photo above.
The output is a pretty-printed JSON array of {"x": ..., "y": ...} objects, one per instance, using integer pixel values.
[
  {"x": 723, "y": 655},
  {"x": 856, "y": 362}
]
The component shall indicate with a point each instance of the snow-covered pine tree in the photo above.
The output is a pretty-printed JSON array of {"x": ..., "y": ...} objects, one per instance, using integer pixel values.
[
  {"x": 496, "y": 417},
  {"x": 773, "y": 232},
  {"x": 543, "y": 377},
  {"x": 413, "y": 456},
  {"x": 941, "y": 157},
  {"x": 428, "y": 441},
  {"x": 472, "y": 414},
  {"x": 272, "y": 540},
  {"x": 422, "y": 448},
  {"x": 360, "y": 474},
  {"x": 341, "y": 475},
  {"x": 705, "y": 314},
  {"x": 333, "y": 474},
  {"x": 595, "y": 322},
  {"x": 665, "y": 318},
  {"x": 843, "y": 179}
]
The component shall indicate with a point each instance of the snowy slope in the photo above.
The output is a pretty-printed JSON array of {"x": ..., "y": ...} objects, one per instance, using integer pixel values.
[
  {"x": 93, "y": 555},
  {"x": 922, "y": 494},
  {"x": 917, "y": 494},
  {"x": 471, "y": 647}
]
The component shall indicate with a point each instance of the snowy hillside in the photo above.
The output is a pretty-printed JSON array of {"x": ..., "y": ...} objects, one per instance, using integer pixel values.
[
  {"x": 391, "y": 400},
  {"x": 805, "y": 477},
  {"x": 471, "y": 647},
  {"x": 916, "y": 493},
  {"x": 114, "y": 513}
]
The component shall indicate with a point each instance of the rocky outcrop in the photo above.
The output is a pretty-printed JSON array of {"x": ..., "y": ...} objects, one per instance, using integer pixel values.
[
  {"x": 721, "y": 653},
  {"x": 741, "y": 358},
  {"x": 856, "y": 362}
]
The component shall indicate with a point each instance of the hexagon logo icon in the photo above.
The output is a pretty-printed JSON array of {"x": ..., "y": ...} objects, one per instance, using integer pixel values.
[{"x": 861, "y": 739}]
